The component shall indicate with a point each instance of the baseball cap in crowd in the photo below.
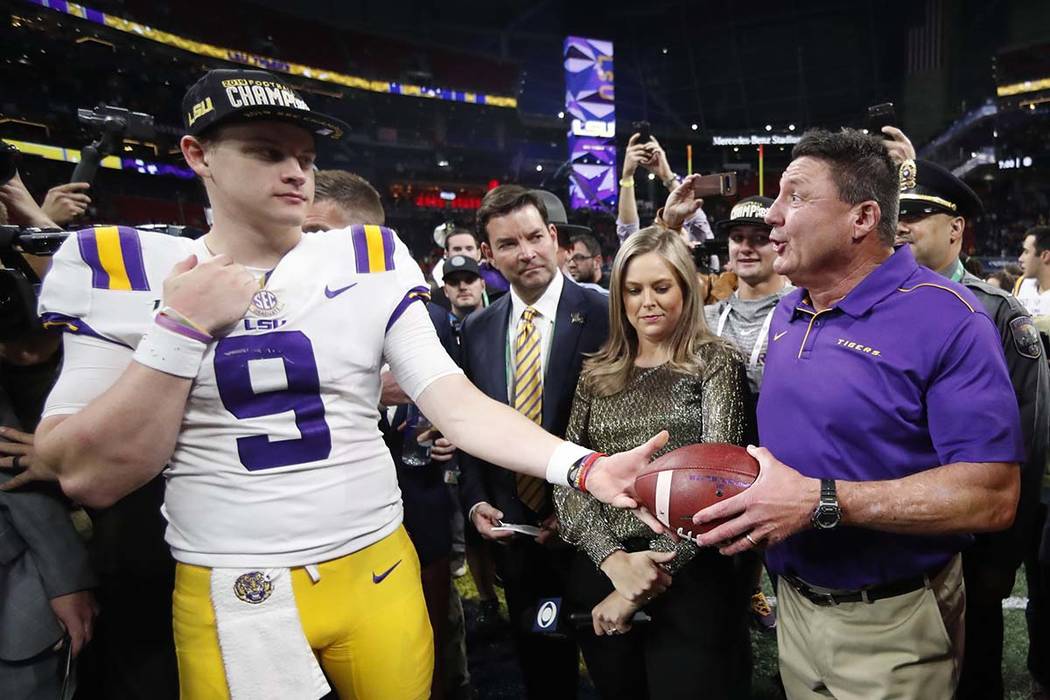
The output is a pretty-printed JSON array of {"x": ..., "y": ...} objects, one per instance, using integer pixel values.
[
  {"x": 460, "y": 264},
  {"x": 443, "y": 231},
  {"x": 234, "y": 95},
  {"x": 927, "y": 188},
  {"x": 747, "y": 212},
  {"x": 556, "y": 215}
]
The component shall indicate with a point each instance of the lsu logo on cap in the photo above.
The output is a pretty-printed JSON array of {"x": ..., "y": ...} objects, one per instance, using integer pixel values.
[{"x": 199, "y": 110}]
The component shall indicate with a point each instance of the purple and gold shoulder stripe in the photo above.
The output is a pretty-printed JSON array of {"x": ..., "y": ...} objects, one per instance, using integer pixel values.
[
  {"x": 114, "y": 254},
  {"x": 415, "y": 294},
  {"x": 373, "y": 248},
  {"x": 77, "y": 326}
]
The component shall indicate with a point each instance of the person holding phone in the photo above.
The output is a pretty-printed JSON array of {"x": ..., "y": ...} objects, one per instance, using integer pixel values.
[{"x": 644, "y": 150}]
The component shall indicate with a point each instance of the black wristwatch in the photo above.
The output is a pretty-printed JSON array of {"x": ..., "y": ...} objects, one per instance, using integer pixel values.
[{"x": 827, "y": 514}]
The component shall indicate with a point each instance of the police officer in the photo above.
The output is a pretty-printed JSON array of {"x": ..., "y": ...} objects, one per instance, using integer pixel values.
[{"x": 935, "y": 207}]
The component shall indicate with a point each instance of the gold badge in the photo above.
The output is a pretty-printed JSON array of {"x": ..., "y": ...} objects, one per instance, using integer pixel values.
[
  {"x": 907, "y": 173},
  {"x": 253, "y": 587}
]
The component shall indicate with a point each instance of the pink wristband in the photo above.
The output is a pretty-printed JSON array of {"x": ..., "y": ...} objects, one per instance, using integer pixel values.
[{"x": 174, "y": 326}]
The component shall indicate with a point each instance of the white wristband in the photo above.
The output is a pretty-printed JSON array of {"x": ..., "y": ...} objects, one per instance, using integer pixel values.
[
  {"x": 470, "y": 513},
  {"x": 171, "y": 353},
  {"x": 561, "y": 461}
]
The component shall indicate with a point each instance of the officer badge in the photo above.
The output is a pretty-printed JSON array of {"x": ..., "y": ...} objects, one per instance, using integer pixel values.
[
  {"x": 265, "y": 303},
  {"x": 576, "y": 318},
  {"x": 1026, "y": 337},
  {"x": 253, "y": 587},
  {"x": 907, "y": 174}
]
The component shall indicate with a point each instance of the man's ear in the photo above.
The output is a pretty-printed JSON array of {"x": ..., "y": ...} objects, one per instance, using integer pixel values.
[
  {"x": 486, "y": 252},
  {"x": 196, "y": 156},
  {"x": 865, "y": 219},
  {"x": 958, "y": 225}
]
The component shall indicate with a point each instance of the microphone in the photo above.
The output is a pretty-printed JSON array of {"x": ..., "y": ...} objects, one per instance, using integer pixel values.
[{"x": 550, "y": 619}]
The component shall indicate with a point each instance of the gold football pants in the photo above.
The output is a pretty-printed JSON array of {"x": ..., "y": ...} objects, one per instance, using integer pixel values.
[{"x": 372, "y": 638}]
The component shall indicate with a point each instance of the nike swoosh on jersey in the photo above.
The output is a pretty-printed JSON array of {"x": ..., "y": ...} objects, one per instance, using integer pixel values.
[
  {"x": 333, "y": 293},
  {"x": 779, "y": 335},
  {"x": 378, "y": 578}
]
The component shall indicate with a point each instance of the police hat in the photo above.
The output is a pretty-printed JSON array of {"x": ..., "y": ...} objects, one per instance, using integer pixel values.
[
  {"x": 747, "y": 212},
  {"x": 927, "y": 188},
  {"x": 459, "y": 264},
  {"x": 229, "y": 95}
]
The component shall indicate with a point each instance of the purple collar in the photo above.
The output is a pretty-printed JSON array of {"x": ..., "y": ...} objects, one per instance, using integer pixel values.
[{"x": 880, "y": 283}]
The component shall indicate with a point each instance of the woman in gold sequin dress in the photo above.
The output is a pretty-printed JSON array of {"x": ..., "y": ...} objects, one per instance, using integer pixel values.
[{"x": 660, "y": 369}]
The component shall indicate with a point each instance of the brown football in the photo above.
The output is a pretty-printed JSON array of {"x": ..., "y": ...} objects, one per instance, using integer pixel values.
[{"x": 684, "y": 481}]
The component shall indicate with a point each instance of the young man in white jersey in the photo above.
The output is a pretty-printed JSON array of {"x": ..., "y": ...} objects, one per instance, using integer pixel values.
[
  {"x": 1033, "y": 289},
  {"x": 247, "y": 362}
]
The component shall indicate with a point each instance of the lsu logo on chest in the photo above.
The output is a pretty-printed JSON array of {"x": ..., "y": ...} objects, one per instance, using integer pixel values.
[{"x": 263, "y": 324}]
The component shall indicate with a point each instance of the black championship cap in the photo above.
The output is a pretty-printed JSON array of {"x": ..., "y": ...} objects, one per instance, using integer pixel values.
[
  {"x": 231, "y": 95},
  {"x": 747, "y": 212},
  {"x": 459, "y": 264},
  {"x": 556, "y": 215},
  {"x": 927, "y": 188}
]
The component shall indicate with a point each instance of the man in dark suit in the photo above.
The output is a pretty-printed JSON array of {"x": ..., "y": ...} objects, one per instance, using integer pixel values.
[
  {"x": 526, "y": 349},
  {"x": 44, "y": 585}
]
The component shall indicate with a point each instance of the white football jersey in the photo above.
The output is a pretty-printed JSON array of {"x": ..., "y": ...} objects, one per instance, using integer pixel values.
[
  {"x": 279, "y": 461},
  {"x": 1037, "y": 303}
]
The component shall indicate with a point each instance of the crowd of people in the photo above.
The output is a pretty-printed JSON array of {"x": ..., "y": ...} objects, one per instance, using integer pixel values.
[{"x": 331, "y": 437}]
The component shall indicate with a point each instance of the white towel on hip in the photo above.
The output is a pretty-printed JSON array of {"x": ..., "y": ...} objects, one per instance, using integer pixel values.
[{"x": 264, "y": 648}]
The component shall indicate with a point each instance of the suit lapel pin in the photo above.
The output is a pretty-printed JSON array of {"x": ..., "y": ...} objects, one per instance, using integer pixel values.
[{"x": 576, "y": 318}]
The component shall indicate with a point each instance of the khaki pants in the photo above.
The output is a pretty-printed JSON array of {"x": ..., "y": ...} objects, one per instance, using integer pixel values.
[{"x": 908, "y": 646}]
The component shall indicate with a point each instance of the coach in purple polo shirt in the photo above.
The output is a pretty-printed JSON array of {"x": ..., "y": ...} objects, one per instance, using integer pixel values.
[{"x": 889, "y": 432}]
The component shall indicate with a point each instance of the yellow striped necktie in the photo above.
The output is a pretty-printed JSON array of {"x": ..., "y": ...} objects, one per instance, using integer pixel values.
[{"x": 528, "y": 399}]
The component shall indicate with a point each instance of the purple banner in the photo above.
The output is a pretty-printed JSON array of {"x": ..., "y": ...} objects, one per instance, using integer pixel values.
[{"x": 590, "y": 104}]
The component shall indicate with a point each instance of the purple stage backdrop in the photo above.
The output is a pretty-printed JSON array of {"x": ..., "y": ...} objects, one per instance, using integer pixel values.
[{"x": 590, "y": 104}]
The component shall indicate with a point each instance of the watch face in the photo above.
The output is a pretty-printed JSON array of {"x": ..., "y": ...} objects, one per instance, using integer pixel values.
[{"x": 826, "y": 516}]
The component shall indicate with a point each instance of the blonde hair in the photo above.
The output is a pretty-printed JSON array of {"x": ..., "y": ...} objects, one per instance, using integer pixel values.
[{"x": 608, "y": 370}]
